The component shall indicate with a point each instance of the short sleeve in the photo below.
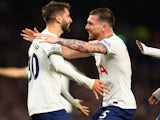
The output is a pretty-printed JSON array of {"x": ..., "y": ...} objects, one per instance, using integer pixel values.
[
  {"x": 107, "y": 44},
  {"x": 52, "y": 49}
]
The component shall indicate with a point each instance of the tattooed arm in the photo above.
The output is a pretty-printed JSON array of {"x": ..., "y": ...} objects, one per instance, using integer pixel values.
[
  {"x": 73, "y": 54},
  {"x": 78, "y": 45},
  {"x": 82, "y": 46},
  {"x": 67, "y": 53},
  {"x": 75, "y": 44}
]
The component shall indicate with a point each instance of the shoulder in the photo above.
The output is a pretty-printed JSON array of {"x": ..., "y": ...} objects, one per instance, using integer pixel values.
[{"x": 106, "y": 42}]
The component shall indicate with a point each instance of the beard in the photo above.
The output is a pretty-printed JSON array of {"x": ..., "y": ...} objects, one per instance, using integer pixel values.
[
  {"x": 65, "y": 27},
  {"x": 93, "y": 36}
]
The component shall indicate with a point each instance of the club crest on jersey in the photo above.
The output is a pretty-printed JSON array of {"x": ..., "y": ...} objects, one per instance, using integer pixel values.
[{"x": 36, "y": 46}]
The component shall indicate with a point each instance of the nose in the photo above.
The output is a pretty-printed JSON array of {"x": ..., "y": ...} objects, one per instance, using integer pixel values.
[
  {"x": 86, "y": 27},
  {"x": 71, "y": 20}
]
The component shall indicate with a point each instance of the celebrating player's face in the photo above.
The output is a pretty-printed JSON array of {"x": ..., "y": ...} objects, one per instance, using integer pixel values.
[
  {"x": 66, "y": 21},
  {"x": 65, "y": 26},
  {"x": 93, "y": 27}
]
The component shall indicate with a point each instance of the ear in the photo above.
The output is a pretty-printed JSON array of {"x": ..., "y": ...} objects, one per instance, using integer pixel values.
[
  {"x": 106, "y": 26},
  {"x": 58, "y": 19}
]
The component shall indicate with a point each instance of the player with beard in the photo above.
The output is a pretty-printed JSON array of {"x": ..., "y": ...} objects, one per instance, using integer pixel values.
[
  {"x": 113, "y": 61},
  {"x": 47, "y": 66}
]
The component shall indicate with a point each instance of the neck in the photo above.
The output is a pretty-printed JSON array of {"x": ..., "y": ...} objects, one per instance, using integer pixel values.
[
  {"x": 109, "y": 34},
  {"x": 55, "y": 29},
  {"x": 106, "y": 34}
]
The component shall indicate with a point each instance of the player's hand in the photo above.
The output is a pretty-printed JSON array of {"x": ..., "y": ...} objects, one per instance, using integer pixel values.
[
  {"x": 84, "y": 109},
  {"x": 28, "y": 34},
  {"x": 153, "y": 100},
  {"x": 46, "y": 38},
  {"x": 100, "y": 87},
  {"x": 139, "y": 44}
]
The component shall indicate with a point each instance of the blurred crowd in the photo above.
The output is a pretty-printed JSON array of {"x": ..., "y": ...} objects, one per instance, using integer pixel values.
[{"x": 140, "y": 23}]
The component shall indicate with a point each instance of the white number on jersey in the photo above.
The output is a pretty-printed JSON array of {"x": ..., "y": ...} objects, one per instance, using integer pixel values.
[{"x": 104, "y": 114}]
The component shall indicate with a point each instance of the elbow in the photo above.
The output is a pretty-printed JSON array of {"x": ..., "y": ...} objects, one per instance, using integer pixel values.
[
  {"x": 68, "y": 56},
  {"x": 59, "y": 68}
]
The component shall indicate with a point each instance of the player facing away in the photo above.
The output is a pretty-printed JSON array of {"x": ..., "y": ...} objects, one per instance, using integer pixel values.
[
  {"x": 154, "y": 52},
  {"x": 46, "y": 67},
  {"x": 113, "y": 62}
]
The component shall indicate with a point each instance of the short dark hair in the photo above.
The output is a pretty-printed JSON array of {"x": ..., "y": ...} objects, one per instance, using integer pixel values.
[
  {"x": 50, "y": 10},
  {"x": 105, "y": 14}
]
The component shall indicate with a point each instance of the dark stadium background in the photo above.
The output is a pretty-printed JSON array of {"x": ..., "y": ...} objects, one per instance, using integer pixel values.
[{"x": 136, "y": 19}]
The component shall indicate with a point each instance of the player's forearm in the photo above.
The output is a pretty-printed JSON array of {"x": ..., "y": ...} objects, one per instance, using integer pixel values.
[
  {"x": 157, "y": 94},
  {"x": 67, "y": 96},
  {"x": 69, "y": 71},
  {"x": 74, "y": 102},
  {"x": 72, "y": 54},
  {"x": 75, "y": 76},
  {"x": 61, "y": 66},
  {"x": 13, "y": 72},
  {"x": 82, "y": 46},
  {"x": 154, "y": 52}
]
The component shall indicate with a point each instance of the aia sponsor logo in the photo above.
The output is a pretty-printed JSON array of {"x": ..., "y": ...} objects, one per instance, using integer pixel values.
[{"x": 102, "y": 70}]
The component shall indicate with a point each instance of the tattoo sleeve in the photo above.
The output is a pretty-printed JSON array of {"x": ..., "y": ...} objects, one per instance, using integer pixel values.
[{"x": 83, "y": 46}]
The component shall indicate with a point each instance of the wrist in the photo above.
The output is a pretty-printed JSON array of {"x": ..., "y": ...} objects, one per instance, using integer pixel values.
[
  {"x": 145, "y": 49},
  {"x": 91, "y": 83},
  {"x": 157, "y": 94},
  {"x": 76, "y": 103}
]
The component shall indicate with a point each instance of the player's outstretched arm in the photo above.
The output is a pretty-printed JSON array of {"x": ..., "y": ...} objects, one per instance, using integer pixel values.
[
  {"x": 75, "y": 44},
  {"x": 14, "y": 72},
  {"x": 95, "y": 85},
  {"x": 155, "y": 98},
  {"x": 154, "y": 52},
  {"x": 62, "y": 67},
  {"x": 68, "y": 53},
  {"x": 75, "y": 102}
]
